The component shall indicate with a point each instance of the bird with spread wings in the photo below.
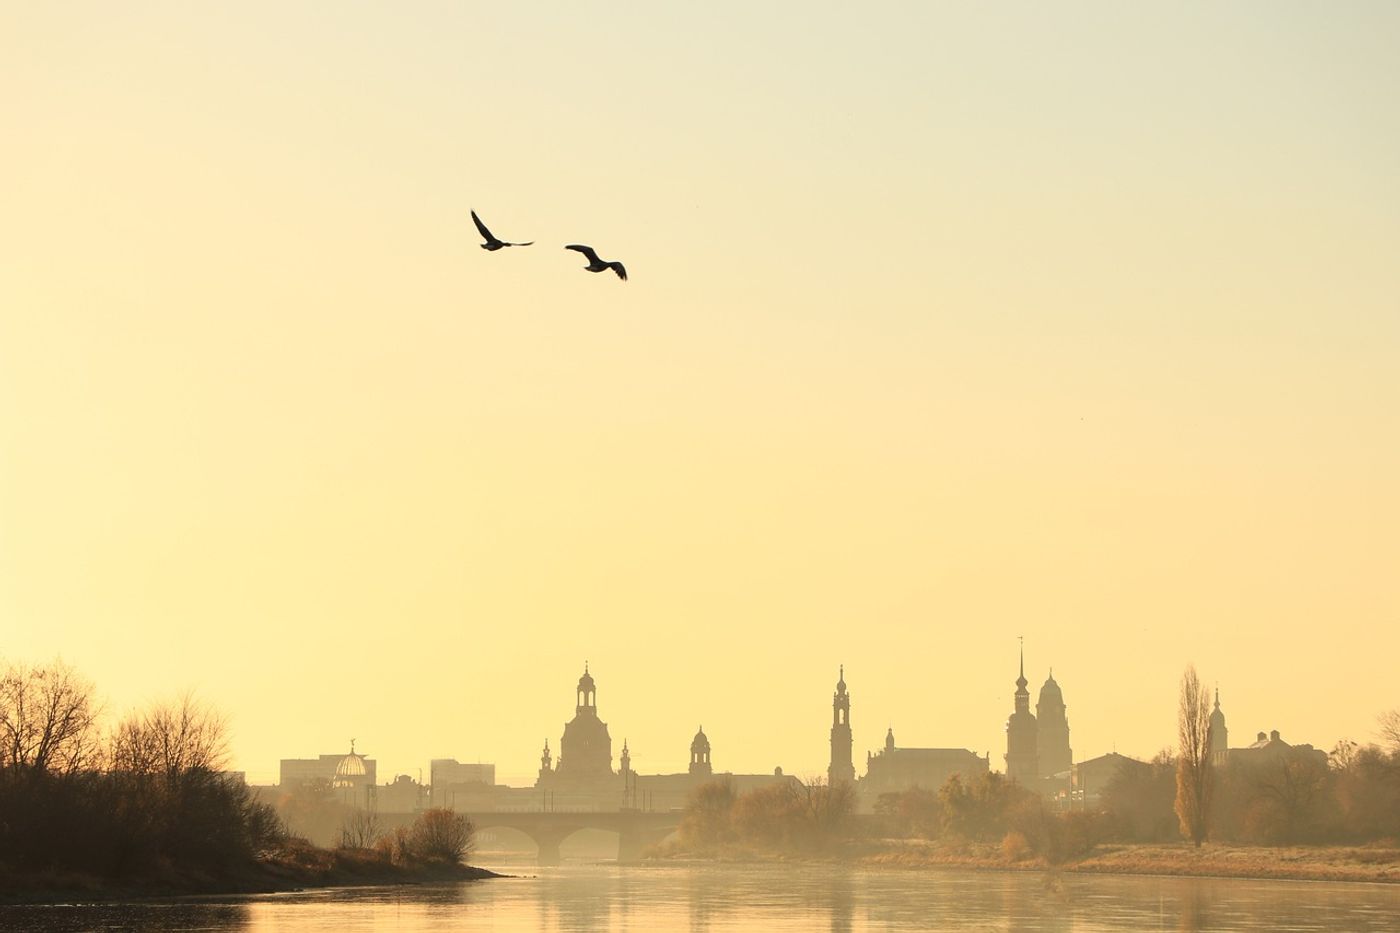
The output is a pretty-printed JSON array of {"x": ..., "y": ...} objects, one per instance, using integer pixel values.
[
  {"x": 492, "y": 243},
  {"x": 598, "y": 265}
]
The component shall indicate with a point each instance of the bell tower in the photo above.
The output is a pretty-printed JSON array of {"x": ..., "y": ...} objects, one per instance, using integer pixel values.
[
  {"x": 546, "y": 762},
  {"x": 587, "y": 693},
  {"x": 841, "y": 769},
  {"x": 1022, "y": 764},
  {"x": 700, "y": 754}
]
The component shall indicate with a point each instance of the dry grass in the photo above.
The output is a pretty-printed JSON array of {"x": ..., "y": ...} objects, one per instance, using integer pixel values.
[
  {"x": 1300, "y": 863},
  {"x": 1303, "y": 863}
]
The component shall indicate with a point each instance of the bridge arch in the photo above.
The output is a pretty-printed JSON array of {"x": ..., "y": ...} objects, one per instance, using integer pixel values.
[{"x": 635, "y": 830}]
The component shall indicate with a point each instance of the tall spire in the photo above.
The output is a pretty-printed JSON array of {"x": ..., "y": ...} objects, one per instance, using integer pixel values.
[{"x": 1021, "y": 680}]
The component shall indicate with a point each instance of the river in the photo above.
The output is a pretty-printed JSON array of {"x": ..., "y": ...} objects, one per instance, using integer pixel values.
[{"x": 761, "y": 897}]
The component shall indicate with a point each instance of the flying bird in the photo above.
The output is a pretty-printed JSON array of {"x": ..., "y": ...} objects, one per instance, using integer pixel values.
[
  {"x": 597, "y": 265},
  {"x": 492, "y": 243}
]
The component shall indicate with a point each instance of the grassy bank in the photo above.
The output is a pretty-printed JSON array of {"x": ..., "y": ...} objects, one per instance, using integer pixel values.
[
  {"x": 291, "y": 869},
  {"x": 1294, "y": 863},
  {"x": 1373, "y": 864}
]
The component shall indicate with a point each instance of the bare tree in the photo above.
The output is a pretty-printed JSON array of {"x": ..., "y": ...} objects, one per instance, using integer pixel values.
[
  {"x": 1194, "y": 778},
  {"x": 360, "y": 830},
  {"x": 171, "y": 739},
  {"x": 48, "y": 719},
  {"x": 1390, "y": 729}
]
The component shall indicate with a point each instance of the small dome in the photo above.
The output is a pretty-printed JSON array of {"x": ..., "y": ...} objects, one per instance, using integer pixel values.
[
  {"x": 585, "y": 683},
  {"x": 700, "y": 741},
  {"x": 841, "y": 683},
  {"x": 350, "y": 767}
]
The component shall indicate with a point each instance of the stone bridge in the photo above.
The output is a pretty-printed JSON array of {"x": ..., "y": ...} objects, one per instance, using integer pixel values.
[{"x": 636, "y": 829}]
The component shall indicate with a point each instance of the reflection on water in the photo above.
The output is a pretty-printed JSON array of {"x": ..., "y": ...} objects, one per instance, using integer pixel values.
[{"x": 770, "y": 897}]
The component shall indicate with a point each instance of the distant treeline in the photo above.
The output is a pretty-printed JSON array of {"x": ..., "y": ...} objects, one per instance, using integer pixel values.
[
  {"x": 787, "y": 816},
  {"x": 147, "y": 800},
  {"x": 1290, "y": 797}
]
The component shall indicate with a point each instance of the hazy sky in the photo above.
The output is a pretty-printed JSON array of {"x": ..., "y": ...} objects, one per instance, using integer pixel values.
[{"x": 947, "y": 324}]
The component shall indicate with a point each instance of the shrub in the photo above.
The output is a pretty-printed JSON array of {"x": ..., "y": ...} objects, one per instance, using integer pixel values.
[
  {"x": 1014, "y": 847},
  {"x": 440, "y": 836}
]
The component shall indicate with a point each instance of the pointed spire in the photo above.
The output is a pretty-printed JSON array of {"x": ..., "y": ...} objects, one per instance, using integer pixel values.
[{"x": 1021, "y": 680}]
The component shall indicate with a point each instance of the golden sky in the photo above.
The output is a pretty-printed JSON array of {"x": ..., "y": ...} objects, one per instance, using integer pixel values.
[{"x": 946, "y": 324}]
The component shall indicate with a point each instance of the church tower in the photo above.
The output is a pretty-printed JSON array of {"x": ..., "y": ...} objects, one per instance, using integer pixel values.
[
  {"x": 1021, "y": 737},
  {"x": 585, "y": 750},
  {"x": 1218, "y": 734},
  {"x": 700, "y": 755},
  {"x": 1052, "y": 745},
  {"x": 842, "y": 770},
  {"x": 546, "y": 762}
]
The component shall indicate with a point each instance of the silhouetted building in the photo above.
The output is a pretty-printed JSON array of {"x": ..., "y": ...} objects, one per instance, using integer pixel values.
[
  {"x": 1052, "y": 731},
  {"x": 1218, "y": 733},
  {"x": 402, "y": 795},
  {"x": 1265, "y": 748},
  {"x": 1022, "y": 736},
  {"x": 841, "y": 769},
  {"x": 672, "y": 791},
  {"x": 451, "y": 780},
  {"x": 341, "y": 772},
  {"x": 1269, "y": 747},
  {"x": 895, "y": 769},
  {"x": 1089, "y": 778},
  {"x": 700, "y": 755},
  {"x": 585, "y": 751}
]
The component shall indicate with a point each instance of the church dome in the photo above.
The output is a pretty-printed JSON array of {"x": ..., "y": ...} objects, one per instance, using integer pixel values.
[
  {"x": 585, "y": 683},
  {"x": 351, "y": 768},
  {"x": 1050, "y": 693},
  {"x": 700, "y": 742}
]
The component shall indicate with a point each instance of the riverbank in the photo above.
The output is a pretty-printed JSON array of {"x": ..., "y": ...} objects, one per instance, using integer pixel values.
[
  {"x": 1294, "y": 863},
  {"x": 291, "y": 870},
  {"x": 1371, "y": 864}
]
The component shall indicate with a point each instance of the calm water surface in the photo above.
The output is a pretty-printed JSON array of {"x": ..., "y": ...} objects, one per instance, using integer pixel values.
[{"x": 767, "y": 897}]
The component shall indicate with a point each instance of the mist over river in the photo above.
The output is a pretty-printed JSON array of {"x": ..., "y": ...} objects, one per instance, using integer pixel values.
[{"x": 722, "y": 897}]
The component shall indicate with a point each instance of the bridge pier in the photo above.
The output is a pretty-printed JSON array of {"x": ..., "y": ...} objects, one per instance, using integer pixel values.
[
  {"x": 638, "y": 834},
  {"x": 547, "y": 840}
]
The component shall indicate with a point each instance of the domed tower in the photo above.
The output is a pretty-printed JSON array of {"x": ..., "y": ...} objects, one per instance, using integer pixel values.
[
  {"x": 546, "y": 762},
  {"x": 1218, "y": 734},
  {"x": 1052, "y": 746},
  {"x": 700, "y": 755},
  {"x": 841, "y": 768},
  {"x": 1021, "y": 737},
  {"x": 625, "y": 762},
  {"x": 352, "y": 784},
  {"x": 889, "y": 740},
  {"x": 585, "y": 751},
  {"x": 587, "y": 692}
]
